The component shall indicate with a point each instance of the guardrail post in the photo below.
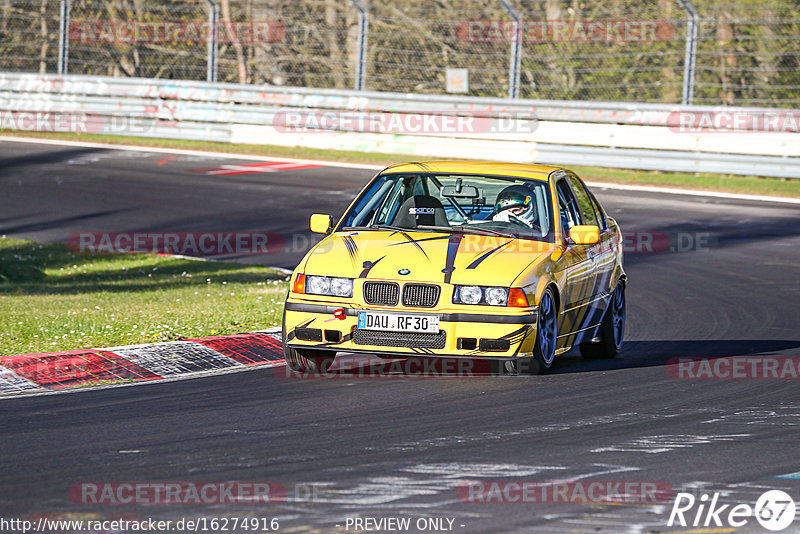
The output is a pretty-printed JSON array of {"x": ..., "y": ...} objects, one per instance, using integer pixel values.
[
  {"x": 516, "y": 50},
  {"x": 213, "y": 40},
  {"x": 691, "y": 52},
  {"x": 363, "y": 30},
  {"x": 63, "y": 37}
]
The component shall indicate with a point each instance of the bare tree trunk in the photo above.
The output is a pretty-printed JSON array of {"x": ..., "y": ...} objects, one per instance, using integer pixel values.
[
  {"x": 351, "y": 44},
  {"x": 335, "y": 54},
  {"x": 671, "y": 92},
  {"x": 237, "y": 45},
  {"x": 562, "y": 73},
  {"x": 43, "y": 29},
  {"x": 725, "y": 43}
]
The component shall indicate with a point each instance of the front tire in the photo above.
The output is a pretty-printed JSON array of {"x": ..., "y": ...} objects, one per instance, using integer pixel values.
[
  {"x": 544, "y": 352},
  {"x": 612, "y": 329},
  {"x": 308, "y": 360},
  {"x": 305, "y": 360}
]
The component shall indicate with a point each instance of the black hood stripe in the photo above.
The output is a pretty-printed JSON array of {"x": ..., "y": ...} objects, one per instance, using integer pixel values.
[
  {"x": 452, "y": 252},
  {"x": 352, "y": 248},
  {"x": 411, "y": 240},
  {"x": 480, "y": 259},
  {"x": 368, "y": 265}
]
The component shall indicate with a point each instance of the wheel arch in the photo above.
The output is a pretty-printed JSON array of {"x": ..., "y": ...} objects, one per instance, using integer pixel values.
[{"x": 556, "y": 294}]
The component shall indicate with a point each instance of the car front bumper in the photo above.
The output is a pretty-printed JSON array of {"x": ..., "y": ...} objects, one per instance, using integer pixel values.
[{"x": 491, "y": 333}]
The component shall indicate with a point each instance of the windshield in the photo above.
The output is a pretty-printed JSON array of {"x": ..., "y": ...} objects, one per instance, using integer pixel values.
[{"x": 494, "y": 205}]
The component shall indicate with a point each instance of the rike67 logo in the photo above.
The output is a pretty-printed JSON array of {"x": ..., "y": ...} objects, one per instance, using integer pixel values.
[{"x": 774, "y": 510}]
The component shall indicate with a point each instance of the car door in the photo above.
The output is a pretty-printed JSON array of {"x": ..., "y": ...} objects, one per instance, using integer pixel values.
[
  {"x": 600, "y": 254},
  {"x": 575, "y": 265}
]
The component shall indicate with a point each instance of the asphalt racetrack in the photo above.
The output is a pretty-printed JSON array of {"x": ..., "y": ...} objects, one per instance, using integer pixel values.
[{"x": 724, "y": 284}]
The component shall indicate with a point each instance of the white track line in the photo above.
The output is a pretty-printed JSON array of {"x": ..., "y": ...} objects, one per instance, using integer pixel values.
[
  {"x": 228, "y": 155},
  {"x": 692, "y": 192}
]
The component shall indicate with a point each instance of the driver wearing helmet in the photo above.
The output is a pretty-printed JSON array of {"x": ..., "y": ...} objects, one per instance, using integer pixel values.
[{"x": 515, "y": 204}]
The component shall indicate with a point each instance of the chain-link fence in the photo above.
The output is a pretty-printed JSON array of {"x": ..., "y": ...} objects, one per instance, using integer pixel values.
[
  {"x": 140, "y": 39},
  {"x": 633, "y": 51},
  {"x": 29, "y": 36},
  {"x": 747, "y": 51}
]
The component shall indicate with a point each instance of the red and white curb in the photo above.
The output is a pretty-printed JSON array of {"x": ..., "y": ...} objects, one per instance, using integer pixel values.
[{"x": 32, "y": 373}]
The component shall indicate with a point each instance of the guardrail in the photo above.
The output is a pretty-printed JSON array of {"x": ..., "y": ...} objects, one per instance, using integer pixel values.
[{"x": 608, "y": 134}]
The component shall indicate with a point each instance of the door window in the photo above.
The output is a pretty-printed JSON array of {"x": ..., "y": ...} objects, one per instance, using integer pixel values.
[
  {"x": 585, "y": 206},
  {"x": 567, "y": 206}
]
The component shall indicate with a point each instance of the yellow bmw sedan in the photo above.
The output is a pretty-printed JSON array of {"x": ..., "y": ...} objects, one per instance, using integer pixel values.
[{"x": 461, "y": 259}]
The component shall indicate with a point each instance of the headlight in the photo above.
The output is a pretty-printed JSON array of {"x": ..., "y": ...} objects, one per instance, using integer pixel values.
[
  {"x": 318, "y": 285},
  {"x": 324, "y": 285},
  {"x": 492, "y": 296},
  {"x": 469, "y": 294},
  {"x": 342, "y": 287},
  {"x": 496, "y": 296}
]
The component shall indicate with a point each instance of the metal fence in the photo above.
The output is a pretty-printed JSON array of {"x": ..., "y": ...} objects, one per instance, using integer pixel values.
[{"x": 738, "y": 52}]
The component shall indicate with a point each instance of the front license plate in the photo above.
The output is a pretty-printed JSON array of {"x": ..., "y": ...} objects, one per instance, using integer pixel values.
[{"x": 398, "y": 322}]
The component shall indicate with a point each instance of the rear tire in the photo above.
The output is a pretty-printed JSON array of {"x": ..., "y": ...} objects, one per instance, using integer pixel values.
[{"x": 612, "y": 329}]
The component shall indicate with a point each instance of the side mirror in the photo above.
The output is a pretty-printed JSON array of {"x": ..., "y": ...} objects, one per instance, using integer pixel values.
[
  {"x": 586, "y": 234},
  {"x": 321, "y": 224}
]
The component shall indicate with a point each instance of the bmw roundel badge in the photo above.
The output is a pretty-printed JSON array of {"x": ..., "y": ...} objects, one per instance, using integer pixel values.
[{"x": 404, "y": 272}]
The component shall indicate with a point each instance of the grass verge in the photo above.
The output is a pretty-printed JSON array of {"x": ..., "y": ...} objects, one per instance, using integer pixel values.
[
  {"x": 52, "y": 299},
  {"x": 753, "y": 185}
]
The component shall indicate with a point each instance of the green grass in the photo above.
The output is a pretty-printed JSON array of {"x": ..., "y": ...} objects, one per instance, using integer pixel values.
[
  {"x": 52, "y": 299},
  {"x": 702, "y": 181}
]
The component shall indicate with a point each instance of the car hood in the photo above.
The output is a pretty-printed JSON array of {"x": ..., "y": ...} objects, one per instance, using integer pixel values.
[{"x": 431, "y": 257}]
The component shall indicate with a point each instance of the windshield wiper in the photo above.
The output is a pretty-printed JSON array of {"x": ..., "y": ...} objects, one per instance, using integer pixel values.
[
  {"x": 390, "y": 227},
  {"x": 383, "y": 227},
  {"x": 375, "y": 227},
  {"x": 468, "y": 230},
  {"x": 438, "y": 228},
  {"x": 486, "y": 231}
]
